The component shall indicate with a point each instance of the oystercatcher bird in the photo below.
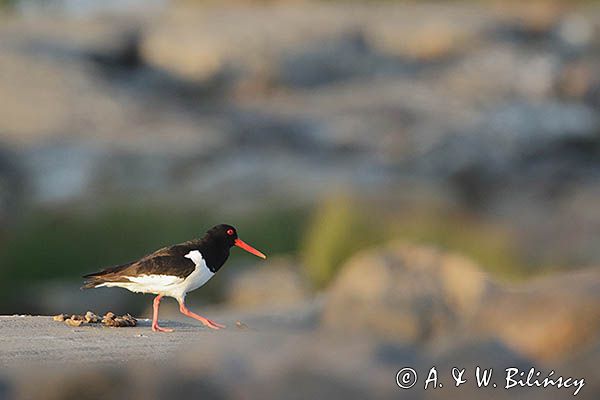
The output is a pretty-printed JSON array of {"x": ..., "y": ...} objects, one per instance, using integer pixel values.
[{"x": 175, "y": 270}]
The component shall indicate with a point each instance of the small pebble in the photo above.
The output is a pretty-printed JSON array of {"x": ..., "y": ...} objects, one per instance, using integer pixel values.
[
  {"x": 124, "y": 321},
  {"x": 74, "y": 322},
  {"x": 60, "y": 317},
  {"x": 241, "y": 325},
  {"x": 108, "y": 317},
  {"x": 91, "y": 318}
]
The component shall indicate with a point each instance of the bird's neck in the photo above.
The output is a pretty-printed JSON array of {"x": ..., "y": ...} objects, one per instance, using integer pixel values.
[{"x": 214, "y": 253}]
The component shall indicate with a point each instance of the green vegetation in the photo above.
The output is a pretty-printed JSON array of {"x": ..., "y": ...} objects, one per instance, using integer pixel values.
[
  {"x": 338, "y": 229},
  {"x": 65, "y": 245},
  {"x": 489, "y": 245},
  {"x": 341, "y": 227},
  {"x": 7, "y": 3}
]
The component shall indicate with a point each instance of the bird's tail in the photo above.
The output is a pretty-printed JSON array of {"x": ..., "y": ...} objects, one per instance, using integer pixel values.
[
  {"x": 91, "y": 283},
  {"x": 96, "y": 279}
]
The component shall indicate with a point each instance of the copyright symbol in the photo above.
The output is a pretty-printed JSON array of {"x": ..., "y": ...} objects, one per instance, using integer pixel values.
[{"x": 406, "y": 378}]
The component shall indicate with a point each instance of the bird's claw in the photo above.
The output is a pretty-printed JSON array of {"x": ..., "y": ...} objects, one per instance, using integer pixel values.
[
  {"x": 213, "y": 324},
  {"x": 156, "y": 328}
]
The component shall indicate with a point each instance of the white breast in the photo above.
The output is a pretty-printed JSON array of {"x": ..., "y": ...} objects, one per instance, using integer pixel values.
[
  {"x": 169, "y": 285},
  {"x": 201, "y": 274}
]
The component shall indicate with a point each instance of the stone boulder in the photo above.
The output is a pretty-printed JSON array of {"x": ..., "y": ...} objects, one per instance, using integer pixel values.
[
  {"x": 414, "y": 293},
  {"x": 405, "y": 292},
  {"x": 547, "y": 319},
  {"x": 275, "y": 283}
]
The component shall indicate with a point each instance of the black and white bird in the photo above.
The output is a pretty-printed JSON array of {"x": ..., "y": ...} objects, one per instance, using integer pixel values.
[{"x": 174, "y": 271}]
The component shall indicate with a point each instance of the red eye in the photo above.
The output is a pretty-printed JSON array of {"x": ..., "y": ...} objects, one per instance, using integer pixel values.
[{"x": 230, "y": 232}]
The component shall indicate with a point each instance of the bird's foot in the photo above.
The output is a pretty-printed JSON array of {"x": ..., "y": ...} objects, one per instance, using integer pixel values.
[
  {"x": 212, "y": 324},
  {"x": 156, "y": 328},
  {"x": 207, "y": 322}
]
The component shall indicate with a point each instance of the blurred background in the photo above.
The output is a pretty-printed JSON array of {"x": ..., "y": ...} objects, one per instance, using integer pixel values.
[{"x": 355, "y": 143}]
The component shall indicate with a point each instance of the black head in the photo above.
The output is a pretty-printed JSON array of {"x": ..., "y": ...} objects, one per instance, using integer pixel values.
[{"x": 225, "y": 236}]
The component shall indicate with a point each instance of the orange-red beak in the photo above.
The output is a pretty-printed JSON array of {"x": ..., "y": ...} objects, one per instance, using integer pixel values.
[{"x": 241, "y": 244}]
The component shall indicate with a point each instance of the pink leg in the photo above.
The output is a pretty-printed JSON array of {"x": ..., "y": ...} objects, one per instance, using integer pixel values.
[
  {"x": 211, "y": 324},
  {"x": 155, "y": 327}
]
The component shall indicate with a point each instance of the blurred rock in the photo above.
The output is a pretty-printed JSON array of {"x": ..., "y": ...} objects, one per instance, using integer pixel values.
[
  {"x": 199, "y": 43},
  {"x": 434, "y": 41},
  {"x": 49, "y": 64},
  {"x": 534, "y": 20},
  {"x": 77, "y": 383},
  {"x": 275, "y": 283},
  {"x": 405, "y": 292},
  {"x": 550, "y": 318},
  {"x": 417, "y": 294},
  {"x": 157, "y": 104},
  {"x": 267, "y": 366},
  {"x": 266, "y": 360},
  {"x": 577, "y": 80},
  {"x": 182, "y": 50},
  {"x": 526, "y": 145},
  {"x": 516, "y": 71},
  {"x": 332, "y": 60},
  {"x": 577, "y": 31},
  {"x": 583, "y": 364},
  {"x": 85, "y": 9},
  {"x": 124, "y": 53},
  {"x": 471, "y": 352}
]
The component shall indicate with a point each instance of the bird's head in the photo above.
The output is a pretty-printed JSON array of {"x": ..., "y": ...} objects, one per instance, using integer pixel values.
[{"x": 227, "y": 235}]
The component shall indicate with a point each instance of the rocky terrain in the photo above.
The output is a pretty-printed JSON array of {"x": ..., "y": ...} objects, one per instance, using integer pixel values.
[
  {"x": 495, "y": 107},
  {"x": 421, "y": 307},
  {"x": 468, "y": 125}
]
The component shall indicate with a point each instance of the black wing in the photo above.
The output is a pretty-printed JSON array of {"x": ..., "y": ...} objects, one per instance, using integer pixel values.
[{"x": 166, "y": 261}]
